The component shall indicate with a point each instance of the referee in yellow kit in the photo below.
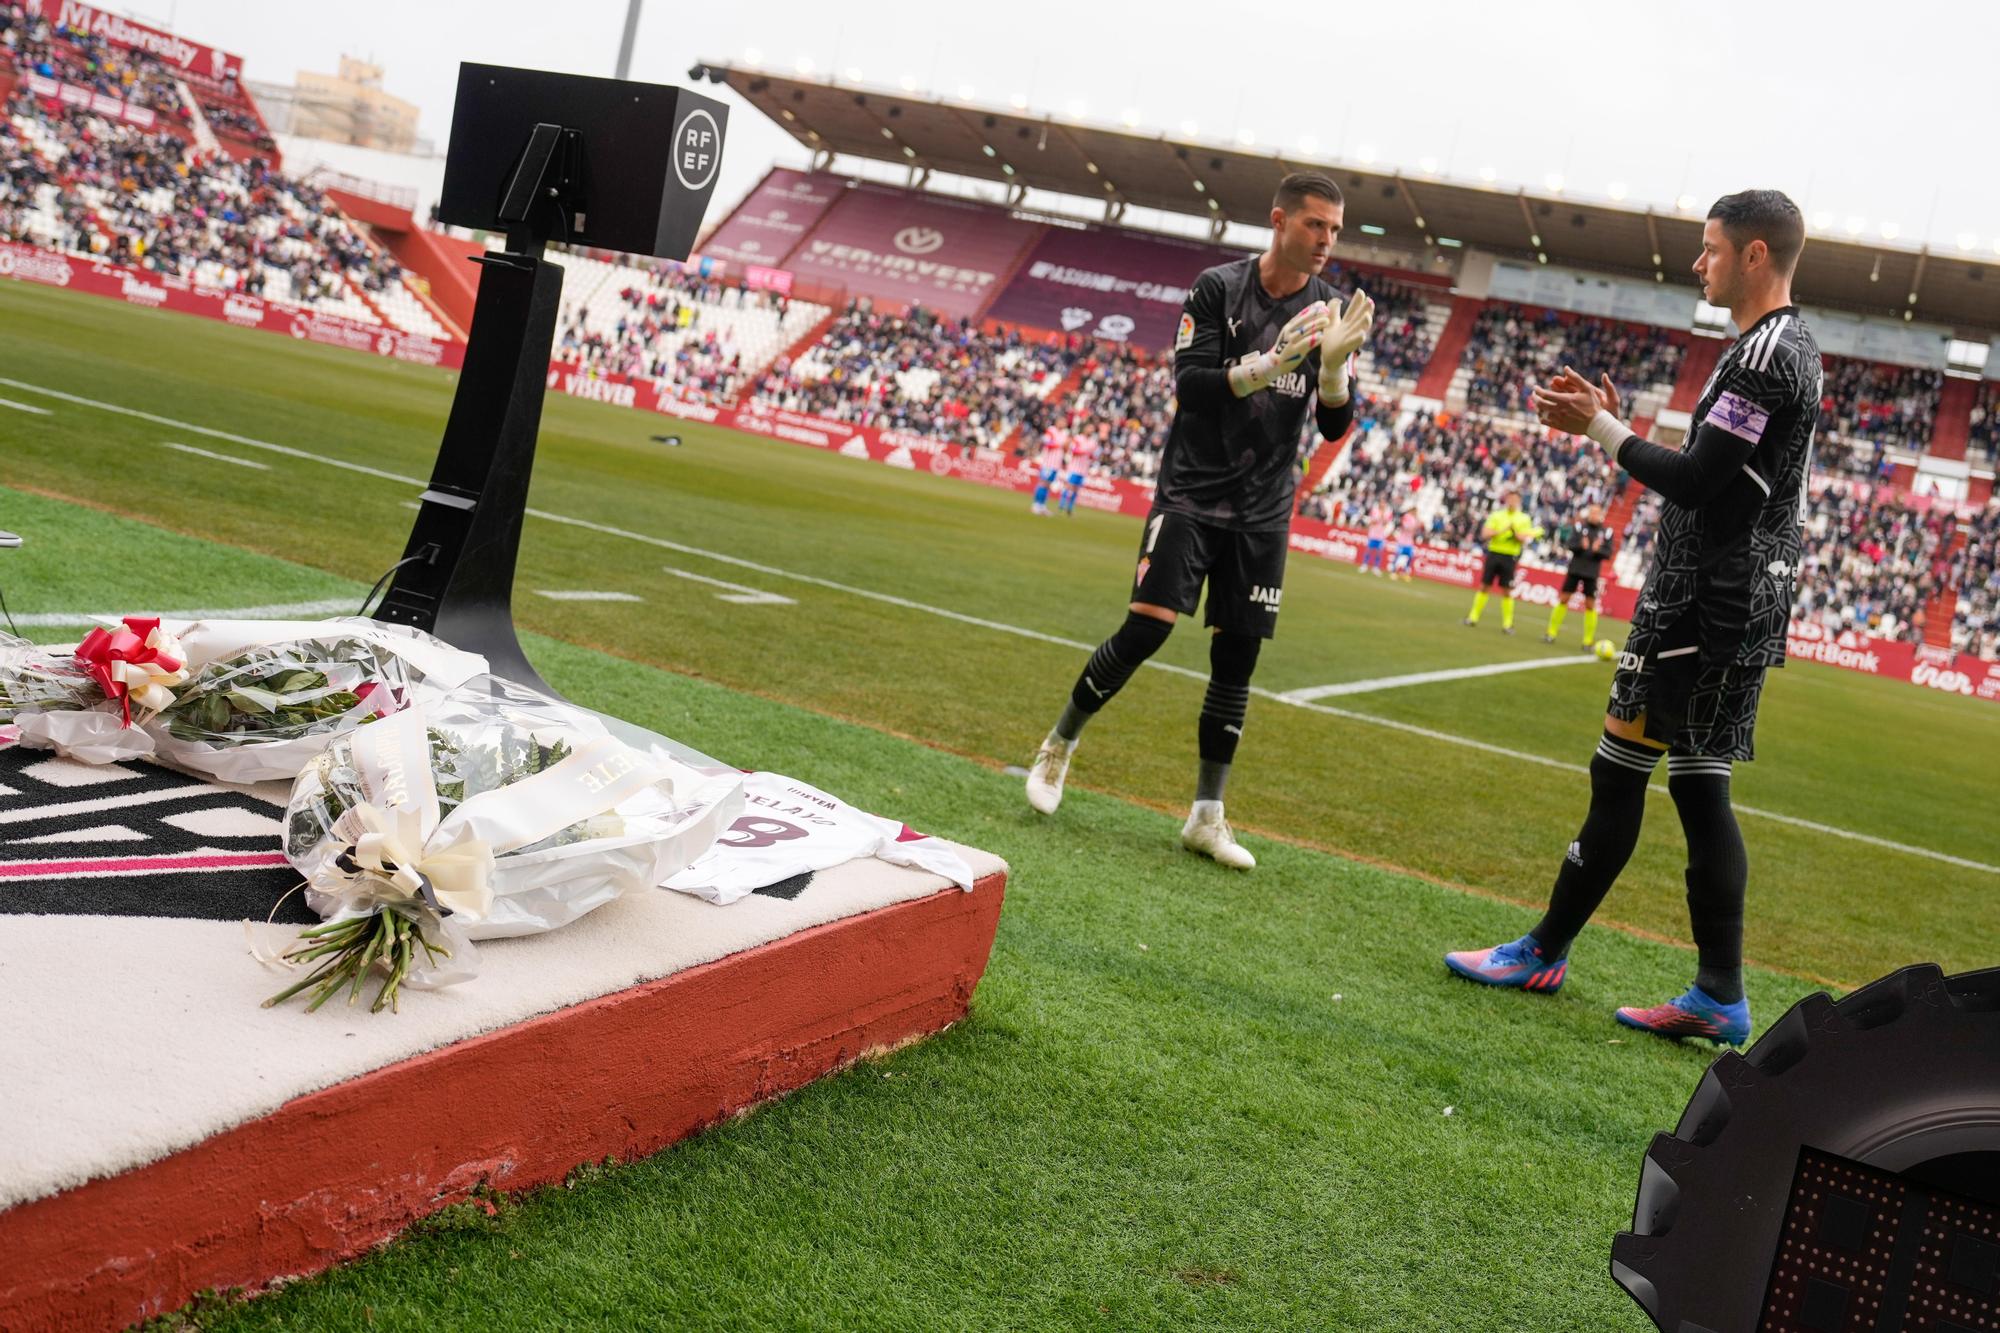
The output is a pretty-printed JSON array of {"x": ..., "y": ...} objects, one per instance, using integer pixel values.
[{"x": 1505, "y": 531}]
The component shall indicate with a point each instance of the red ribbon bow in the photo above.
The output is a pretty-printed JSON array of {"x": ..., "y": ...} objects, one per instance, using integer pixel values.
[{"x": 101, "y": 648}]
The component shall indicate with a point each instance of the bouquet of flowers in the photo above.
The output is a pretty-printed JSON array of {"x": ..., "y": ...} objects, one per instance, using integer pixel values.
[
  {"x": 266, "y": 697},
  {"x": 80, "y": 704},
  {"x": 491, "y": 811}
]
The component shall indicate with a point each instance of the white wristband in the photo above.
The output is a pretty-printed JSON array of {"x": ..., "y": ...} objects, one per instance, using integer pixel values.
[
  {"x": 1333, "y": 383},
  {"x": 1608, "y": 431},
  {"x": 1254, "y": 375}
]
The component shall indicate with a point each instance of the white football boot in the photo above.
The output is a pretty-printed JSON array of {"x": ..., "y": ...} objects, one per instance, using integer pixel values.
[
  {"x": 1207, "y": 832},
  {"x": 1046, "y": 774}
]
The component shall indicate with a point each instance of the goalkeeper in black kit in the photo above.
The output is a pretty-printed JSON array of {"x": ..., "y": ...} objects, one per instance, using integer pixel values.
[
  {"x": 1589, "y": 543},
  {"x": 1261, "y": 343},
  {"x": 1710, "y": 622}
]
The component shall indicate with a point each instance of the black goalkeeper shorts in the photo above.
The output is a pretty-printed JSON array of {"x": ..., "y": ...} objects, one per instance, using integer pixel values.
[{"x": 1244, "y": 571}]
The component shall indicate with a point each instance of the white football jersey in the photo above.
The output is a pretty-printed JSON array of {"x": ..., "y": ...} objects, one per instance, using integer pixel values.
[{"x": 788, "y": 828}]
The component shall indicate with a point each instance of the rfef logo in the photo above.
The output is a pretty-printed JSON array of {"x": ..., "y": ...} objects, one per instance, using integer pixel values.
[{"x": 697, "y": 150}]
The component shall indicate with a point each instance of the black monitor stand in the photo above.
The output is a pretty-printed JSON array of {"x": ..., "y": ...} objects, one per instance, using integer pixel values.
[{"x": 456, "y": 579}]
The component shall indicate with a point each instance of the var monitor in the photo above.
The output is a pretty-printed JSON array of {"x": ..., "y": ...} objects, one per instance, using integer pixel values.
[{"x": 603, "y": 162}]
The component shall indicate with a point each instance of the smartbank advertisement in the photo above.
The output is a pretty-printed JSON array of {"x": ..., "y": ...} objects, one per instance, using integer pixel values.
[{"x": 878, "y": 242}]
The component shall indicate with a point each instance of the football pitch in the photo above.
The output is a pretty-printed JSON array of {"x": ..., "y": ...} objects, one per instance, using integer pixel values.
[{"x": 1184, "y": 1097}]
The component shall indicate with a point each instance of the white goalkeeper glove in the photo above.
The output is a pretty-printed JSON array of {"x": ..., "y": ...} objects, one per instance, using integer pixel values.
[
  {"x": 1302, "y": 333},
  {"x": 1346, "y": 333}
]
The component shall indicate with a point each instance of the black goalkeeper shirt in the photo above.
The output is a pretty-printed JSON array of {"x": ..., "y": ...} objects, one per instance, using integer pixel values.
[{"x": 1231, "y": 461}]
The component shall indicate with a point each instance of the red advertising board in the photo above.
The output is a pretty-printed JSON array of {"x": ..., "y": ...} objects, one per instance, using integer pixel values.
[
  {"x": 155, "y": 291},
  {"x": 188, "y": 57},
  {"x": 949, "y": 254},
  {"x": 776, "y": 217},
  {"x": 1115, "y": 284}
]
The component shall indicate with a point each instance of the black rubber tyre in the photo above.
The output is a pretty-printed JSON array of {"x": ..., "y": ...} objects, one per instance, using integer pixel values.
[{"x": 1903, "y": 1072}]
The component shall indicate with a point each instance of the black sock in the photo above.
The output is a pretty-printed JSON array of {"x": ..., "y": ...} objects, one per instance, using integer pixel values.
[
  {"x": 1717, "y": 870},
  {"x": 1110, "y": 667},
  {"x": 1232, "y": 658},
  {"x": 1619, "y": 772}
]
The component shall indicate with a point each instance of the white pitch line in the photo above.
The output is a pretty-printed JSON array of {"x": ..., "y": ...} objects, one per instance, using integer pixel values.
[
  {"x": 25, "y": 407},
  {"x": 281, "y": 611},
  {"x": 560, "y": 595},
  {"x": 1312, "y": 692},
  {"x": 737, "y": 593},
  {"x": 220, "y": 458},
  {"x": 1407, "y": 728}
]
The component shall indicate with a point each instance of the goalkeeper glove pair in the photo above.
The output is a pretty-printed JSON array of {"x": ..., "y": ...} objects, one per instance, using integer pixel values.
[{"x": 1339, "y": 333}]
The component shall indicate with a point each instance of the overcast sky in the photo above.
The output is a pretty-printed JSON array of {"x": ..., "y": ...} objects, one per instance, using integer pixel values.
[{"x": 1869, "y": 115}]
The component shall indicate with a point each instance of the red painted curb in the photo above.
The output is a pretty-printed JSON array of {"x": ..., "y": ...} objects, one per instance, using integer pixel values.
[{"x": 329, "y": 1175}]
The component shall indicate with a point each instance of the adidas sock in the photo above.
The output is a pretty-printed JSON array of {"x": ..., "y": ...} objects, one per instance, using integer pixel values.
[
  {"x": 1556, "y": 619},
  {"x": 1109, "y": 668},
  {"x": 1232, "y": 658},
  {"x": 1590, "y": 626},
  {"x": 1619, "y": 772},
  {"x": 1717, "y": 870},
  {"x": 1478, "y": 606}
]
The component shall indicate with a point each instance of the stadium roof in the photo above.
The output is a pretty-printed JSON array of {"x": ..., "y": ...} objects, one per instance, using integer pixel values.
[{"x": 1123, "y": 167}]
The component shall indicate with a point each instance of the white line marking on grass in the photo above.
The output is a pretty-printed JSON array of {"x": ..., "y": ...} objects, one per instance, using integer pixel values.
[
  {"x": 220, "y": 458},
  {"x": 1427, "y": 677},
  {"x": 281, "y": 611},
  {"x": 737, "y": 593},
  {"x": 558, "y": 595},
  {"x": 1001, "y": 627},
  {"x": 24, "y": 407}
]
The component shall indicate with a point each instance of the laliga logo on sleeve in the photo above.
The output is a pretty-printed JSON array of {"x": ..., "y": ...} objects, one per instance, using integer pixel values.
[
  {"x": 918, "y": 240},
  {"x": 1074, "y": 317},
  {"x": 697, "y": 150}
]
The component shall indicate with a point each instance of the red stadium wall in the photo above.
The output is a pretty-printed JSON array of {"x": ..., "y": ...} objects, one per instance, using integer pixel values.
[{"x": 157, "y": 291}]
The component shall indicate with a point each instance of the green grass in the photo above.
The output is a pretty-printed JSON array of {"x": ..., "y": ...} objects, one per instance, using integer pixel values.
[
  {"x": 1158, "y": 1115},
  {"x": 1193, "y": 1133},
  {"x": 1871, "y": 756}
]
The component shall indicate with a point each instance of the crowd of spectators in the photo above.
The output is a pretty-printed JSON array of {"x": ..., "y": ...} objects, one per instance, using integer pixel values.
[
  {"x": 927, "y": 374},
  {"x": 1872, "y": 561},
  {"x": 1985, "y": 434},
  {"x": 33, "y": 45},
  {"x": 1975, "y": 572},
  {"x": 708, "y": 363},
  {"x": 1868, "y": 408},
  {"x": 1452, "y": 469},
  {"x": 1510, "y": 349},
  {"x": 143, "y": 198},
  {"x": 1401, "y": 342}
]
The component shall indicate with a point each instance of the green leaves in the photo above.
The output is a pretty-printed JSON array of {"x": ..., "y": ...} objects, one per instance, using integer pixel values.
[
  {"x": 274, "y": 693},
  {"x": 344, "y": 953}
]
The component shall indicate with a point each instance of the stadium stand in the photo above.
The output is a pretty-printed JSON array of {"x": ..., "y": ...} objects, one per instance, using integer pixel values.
[
  {"x": 925, "y": 373},
  {"x": 658, "y": 321},
  {"x": 1975, "y": 573},
  {"x": 1407, "y": 324},
  {"x": 1511, "y": 347},
  {"x": 34, "y": 45},
  {"x": 1453, "y": 468},
  {"x": 1871, "y": 561},
  {"x": 1984, "y": 437},
  {"x": 75, "y": 181},
  {"x": 1870, "y": 408}
]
